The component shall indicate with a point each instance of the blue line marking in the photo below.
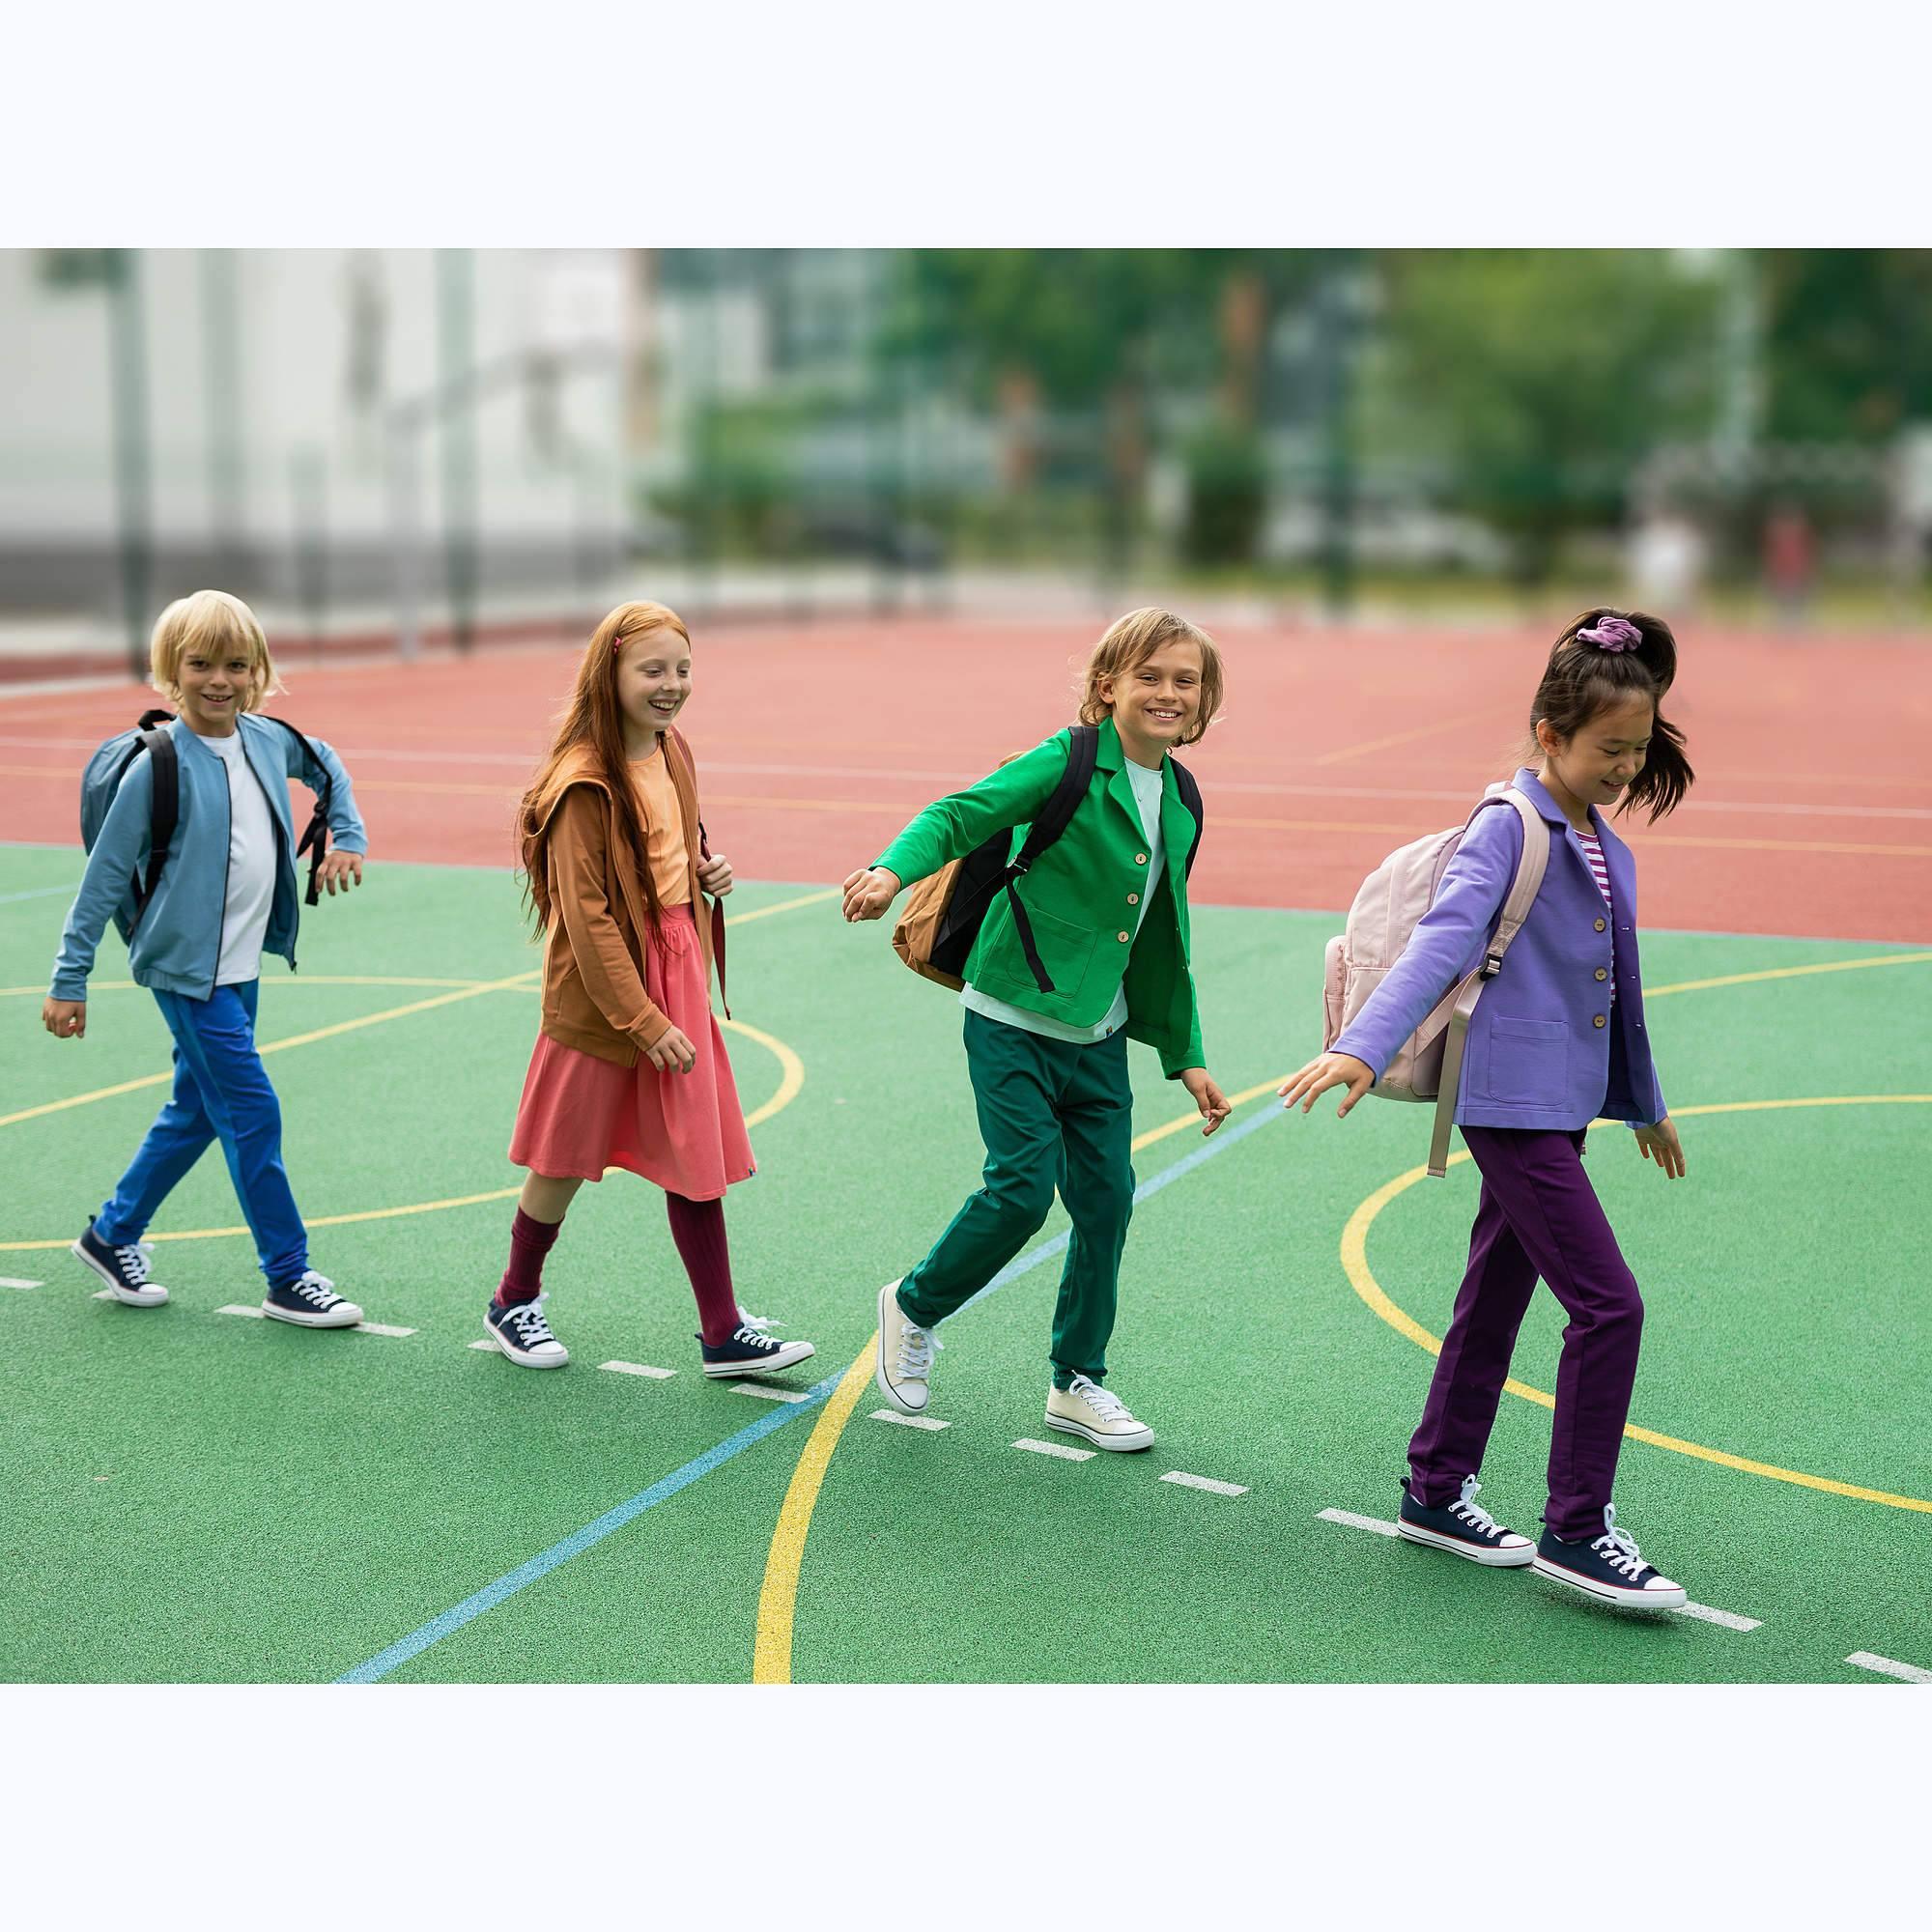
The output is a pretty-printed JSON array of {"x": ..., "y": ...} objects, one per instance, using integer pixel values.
[
  {"x": 38, "y": 892},
  {"x": 492, "y": 1594}
]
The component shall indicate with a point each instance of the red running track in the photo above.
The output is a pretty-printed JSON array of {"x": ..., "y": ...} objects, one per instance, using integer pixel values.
[{"x": 1813, "y": 814}]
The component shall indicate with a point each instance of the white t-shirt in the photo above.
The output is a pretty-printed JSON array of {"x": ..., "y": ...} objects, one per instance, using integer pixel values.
[
  {"x": 1147, "y": 786},
  {"x": 252, "y": 865}
]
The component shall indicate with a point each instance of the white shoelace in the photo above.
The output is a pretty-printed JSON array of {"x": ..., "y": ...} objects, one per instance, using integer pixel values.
[
  {"x": 917, "y": 1348},
  {"x": 1618, "y": 1547},
  {"x": 1468, "y": 1509},
  {"x": 528, "y": 1318},
  {"x": 758, "y": 1321},
  {"x": 317, "y": 1290},
  {"x": 1104, "y": 1402},
  {"x": 136, "y": 1259}
]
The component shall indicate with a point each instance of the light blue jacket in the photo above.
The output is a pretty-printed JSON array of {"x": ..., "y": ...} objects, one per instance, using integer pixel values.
[
  {"x": 177, "y": 946},
  {"x": 1538, "y": 1052}
]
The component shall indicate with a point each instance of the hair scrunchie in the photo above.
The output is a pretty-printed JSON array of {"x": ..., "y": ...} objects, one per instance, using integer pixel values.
[{"x": 1611, "y": 634}]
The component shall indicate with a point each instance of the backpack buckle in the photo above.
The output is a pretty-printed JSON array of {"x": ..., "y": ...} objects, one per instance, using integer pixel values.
[{"x": 1493, "y": 964}]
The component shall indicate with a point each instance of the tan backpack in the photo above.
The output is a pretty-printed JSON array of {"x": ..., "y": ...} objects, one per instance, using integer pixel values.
[{"x": 1428, "y": 1066}]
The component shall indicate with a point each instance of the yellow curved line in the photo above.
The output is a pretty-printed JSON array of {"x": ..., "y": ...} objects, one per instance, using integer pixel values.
[
  {"x": 791, "y": 1078},
  {"x": 1356, "y": 1265},
  {"x": 771, "y": 1655}
]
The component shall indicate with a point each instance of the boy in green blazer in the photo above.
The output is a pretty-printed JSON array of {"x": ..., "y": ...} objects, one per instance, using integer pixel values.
[{"x": 1107, "y": 902}]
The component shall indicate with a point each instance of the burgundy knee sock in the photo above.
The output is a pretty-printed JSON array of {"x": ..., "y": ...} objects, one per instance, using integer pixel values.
[
  {"x": 529, "y": 1242},
  {"x": 697, "y": 1227}
]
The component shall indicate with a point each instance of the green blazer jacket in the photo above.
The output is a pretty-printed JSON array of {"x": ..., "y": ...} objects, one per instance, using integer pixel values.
[{"x": 1083, "y": 895}]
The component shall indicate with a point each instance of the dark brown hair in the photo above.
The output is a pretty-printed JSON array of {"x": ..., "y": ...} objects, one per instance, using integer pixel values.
[
  {"x": 594, "y": 718},
  {"x": 1582, "y": 679}
]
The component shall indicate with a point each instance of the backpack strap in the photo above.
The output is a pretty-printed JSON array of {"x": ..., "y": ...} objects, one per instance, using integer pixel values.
[
  {"x": 676, "y": 737},
  {"x": 1055, "y": 815},
  {"x": 164, "y": 808},
  {"x": 1190, "y": 797},
  {"x": 315, "y": 833},
  {"x": 1521, "y": 895}
]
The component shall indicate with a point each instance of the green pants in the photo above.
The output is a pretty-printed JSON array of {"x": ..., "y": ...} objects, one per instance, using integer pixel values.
[{"x": 1052, "y": 1114}]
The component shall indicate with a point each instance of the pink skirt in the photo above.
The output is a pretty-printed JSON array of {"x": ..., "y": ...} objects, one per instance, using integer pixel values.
[{"x": 685, "y": 1132}]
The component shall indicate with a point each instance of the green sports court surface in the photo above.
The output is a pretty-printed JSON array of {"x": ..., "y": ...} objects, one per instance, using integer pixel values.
[{"x": 198, "y": 1496}]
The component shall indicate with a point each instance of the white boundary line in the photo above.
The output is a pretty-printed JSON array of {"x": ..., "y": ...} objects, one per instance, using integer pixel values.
[
  {"x": 236, "y": 1308},
  {"x": 1206, "y": 1483},
  {"x": 1058, "y": 1449},
  {"x": 382, "y": 1328},
  {"x": 1374, "y": 1522},
  {"x": 486, "y": 1342},
  {"x": 14, "y": 1281},
  {"x": 771, "y": 1394},
  {"x": 908, "y": 1421},
  {"x": 639, "y": 1369},
  {"x": 1890, "y": 1666}
]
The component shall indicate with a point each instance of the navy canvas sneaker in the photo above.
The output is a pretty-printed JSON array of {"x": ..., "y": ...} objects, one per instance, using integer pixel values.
[
  {"x": 1464, "y": 1529},
  {"x": 125, "y": 1269},
  {"x": 310, "y": 1301},
  {"x": 751, "y": 1351},
  {"x": 523, "y": 1333},
  {"x": 1610, "y": 1568}
]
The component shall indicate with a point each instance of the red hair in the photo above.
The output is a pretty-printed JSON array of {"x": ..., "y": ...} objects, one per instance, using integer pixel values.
[{"x": 594, "y": 718}]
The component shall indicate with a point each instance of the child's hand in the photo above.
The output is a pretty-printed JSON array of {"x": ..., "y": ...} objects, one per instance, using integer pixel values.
[
  {"x": 346, "y": 867},
  {"x": 714, "y": 874},
  {"x": 1208, "y": 1097},
  {"x": 65, "y": 1019},
  {"x": 1660, "y": 1145},
  {"x": 1323, "y": 1071},
  {"x": 674, "y": 1052},
  {"x": 868, "y": 891}
]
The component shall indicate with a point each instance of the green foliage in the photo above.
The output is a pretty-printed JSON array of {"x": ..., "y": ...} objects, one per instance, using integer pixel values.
[
  {"x": 1544, "y": 377},
  {"x": 1847, "y": 342},
  {"x": 1227, "y": 494}
]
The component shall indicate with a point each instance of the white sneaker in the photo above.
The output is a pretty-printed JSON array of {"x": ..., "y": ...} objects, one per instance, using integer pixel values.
[
  {"x": 1096, "y": 1413},
  {"x": 905, "y": 1350},
  {"x": 310, "y": 1302}
]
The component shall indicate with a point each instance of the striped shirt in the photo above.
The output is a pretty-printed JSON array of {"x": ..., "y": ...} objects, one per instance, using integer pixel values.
[{"x": 1593, "y": 850}]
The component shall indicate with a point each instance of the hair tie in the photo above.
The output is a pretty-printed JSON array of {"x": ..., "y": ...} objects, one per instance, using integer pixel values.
[{"x": 1611, "y": 634}]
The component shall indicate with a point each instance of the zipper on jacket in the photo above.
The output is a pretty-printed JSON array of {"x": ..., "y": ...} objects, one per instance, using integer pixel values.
[{"x": 227, "y": 862}]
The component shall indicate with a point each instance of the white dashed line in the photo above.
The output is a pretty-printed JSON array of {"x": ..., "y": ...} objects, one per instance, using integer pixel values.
[
  {"x": 1730, "y": 1619},
  {"x": 382, "y": 1328},
  {"x": 771, "y": 1394},
  {"x": 103, "y": 1294},
  {"x": 13, "y": 1281},
  {"x": 639, "y": 1369},
  {"x": 1374, "y": 1522},
  {"x": 236, "y": 1308},
  {"x": 1065, "y": 1454},
  {"x": 361, "y": 1327},
  {"x": 1890, "y": 1666},
  {"x": 486, "y": 1342},
  {"x": 1702, "y": 1612},
  {"x": 907, "y": 1421},
  {"x": 1204, "y": 1482}
]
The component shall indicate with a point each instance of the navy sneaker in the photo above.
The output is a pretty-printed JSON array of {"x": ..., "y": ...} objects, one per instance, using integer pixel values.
[
  {"x": 310, "y": 1301},
  {"x": 523, "y": 1333},
  {"x": 1464, "y": 1529},
  {"x": 125, "y": 1269},
  {"x": 751, "y": 1351},
  {"x": 1611, "y": 1569}
]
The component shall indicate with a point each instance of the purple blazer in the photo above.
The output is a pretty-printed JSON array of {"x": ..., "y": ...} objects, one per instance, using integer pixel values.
[{"x": 1547, "y": 1048}]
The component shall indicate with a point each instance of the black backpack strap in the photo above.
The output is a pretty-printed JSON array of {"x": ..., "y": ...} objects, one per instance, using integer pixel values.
[
  {"x": 164, "y": 807},
  {"x": 315, "y": 833},
  {"x": 1055, "y": 815},
  {"x": 1190, "y": 797}
]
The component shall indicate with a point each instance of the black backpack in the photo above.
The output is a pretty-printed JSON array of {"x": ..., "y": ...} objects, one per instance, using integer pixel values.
[
  {"x": 967, "y": 888},
  {"x": 108, "y": 765}
]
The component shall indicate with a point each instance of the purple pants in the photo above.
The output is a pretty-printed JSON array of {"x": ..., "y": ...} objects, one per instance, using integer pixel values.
[{"x": 1539, "y": 1215}]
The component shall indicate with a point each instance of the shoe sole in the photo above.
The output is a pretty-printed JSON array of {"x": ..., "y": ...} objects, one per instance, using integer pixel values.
[
  {"x": 348, "y": 1315},
  {"x": 524, "y": 1360},
  {"x": 879, "y": 1375},
  {"x": 788, "y": 1357},
  {"x": 1474, "y": 1552},
  {"x": 128, "y": 1297},
  {"x": 1127, "y": 1444},
  {"x": 1603, "y": 1593}
]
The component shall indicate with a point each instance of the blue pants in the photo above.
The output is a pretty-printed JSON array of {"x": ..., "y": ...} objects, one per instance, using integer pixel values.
[{"x": 221, "y": 1091}]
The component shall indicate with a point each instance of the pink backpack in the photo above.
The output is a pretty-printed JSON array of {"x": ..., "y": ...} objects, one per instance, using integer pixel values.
[{"x": 1428, "y": 1066}]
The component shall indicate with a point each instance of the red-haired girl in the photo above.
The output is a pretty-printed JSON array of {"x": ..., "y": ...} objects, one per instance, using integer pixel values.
[{"x": 630, "y": 1068}]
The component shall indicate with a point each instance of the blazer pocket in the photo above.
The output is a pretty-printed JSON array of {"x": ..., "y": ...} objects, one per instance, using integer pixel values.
[
  {"x": 1065, "y": 949},
  {"x": 1527, "y": 1061}
]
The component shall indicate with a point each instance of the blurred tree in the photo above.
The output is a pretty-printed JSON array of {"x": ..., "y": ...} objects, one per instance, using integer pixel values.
[
  {"x": 1543, "y": 376},
  {"x": 1848, "y": 342}
]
